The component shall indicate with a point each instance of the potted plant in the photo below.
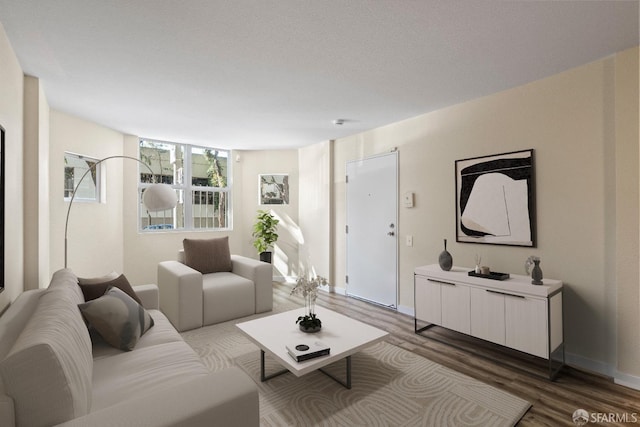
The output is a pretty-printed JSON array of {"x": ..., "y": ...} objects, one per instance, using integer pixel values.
[
  {"x": 264, "y": 233},
  {"x": 308, "y": 288}
]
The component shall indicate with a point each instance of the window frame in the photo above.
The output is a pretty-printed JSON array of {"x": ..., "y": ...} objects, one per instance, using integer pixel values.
[
  {"x": 99, "y": 179},
  {"x": 186, "y": 189}
]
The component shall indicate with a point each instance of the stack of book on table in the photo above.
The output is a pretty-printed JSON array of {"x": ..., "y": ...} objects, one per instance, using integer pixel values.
[{"x": 307, "y": 350}]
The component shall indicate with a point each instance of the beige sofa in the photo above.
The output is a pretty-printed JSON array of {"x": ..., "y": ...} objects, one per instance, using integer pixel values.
[
  {"x": 52, "y": 372},
  {"x": 191, "y": 299}
]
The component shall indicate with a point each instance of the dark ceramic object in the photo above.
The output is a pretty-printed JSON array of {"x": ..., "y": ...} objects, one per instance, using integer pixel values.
[
  {"x": 445, "y": 259},
  {"x": 536, "y": 273}
]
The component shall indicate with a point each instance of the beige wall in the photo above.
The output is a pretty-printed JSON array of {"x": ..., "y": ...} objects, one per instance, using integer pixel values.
[
  {"x": 315, "y": 163},
  {"x": 36, "y": 183},
  {"x": 95, "y": 244},
  {"x": 580, "y": 137},
  {"x": 253, "y": 163},
  {"x": 627, "y": 277},
  {"x": 11, "y": 104}
]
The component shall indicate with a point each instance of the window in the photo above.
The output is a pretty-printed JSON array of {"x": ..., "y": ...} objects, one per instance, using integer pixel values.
[
  {"x": 200, "y": 176},
  {"x": 75, "y": 167}
]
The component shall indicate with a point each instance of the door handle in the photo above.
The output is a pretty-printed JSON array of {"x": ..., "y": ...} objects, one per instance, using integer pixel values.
[{"x": 391, "y": 233}]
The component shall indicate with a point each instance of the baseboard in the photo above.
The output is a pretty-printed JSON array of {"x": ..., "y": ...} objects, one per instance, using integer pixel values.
[
  {"x": 627, "y": 380},
  {"x": 589, "y": 364},
  {"x": 334, "y": 290},
  {"x": 606, "y": 369},
  {"x": 409, "y": 311}
]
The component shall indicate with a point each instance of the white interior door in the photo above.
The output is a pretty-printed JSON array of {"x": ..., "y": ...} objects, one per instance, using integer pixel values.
[{"x": 372, "y": 214}]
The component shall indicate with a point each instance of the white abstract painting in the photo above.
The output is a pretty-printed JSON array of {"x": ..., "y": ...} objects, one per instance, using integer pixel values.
[{"x": 495, "y": 199}]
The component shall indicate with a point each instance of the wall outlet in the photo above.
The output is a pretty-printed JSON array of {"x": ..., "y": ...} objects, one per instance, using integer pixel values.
[{"x": 409, "y": 240}]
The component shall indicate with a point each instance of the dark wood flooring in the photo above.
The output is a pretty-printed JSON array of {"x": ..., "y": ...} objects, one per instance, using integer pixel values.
[{"x": 520, "y": 374}]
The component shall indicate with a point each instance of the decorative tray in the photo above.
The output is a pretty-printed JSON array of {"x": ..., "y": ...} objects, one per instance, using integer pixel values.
[{"x": 494, "y": 275}]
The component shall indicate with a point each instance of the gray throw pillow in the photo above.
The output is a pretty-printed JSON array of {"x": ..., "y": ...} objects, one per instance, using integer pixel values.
[
  {"x": 117, "y": 318},
  {"x": 94, "y": 288},
  {"x": 208, "y": 255},
  {"x": 101, "y": 279}
]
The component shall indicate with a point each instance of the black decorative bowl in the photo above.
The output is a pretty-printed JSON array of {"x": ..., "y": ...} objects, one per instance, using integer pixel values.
[{"x": 493, "y": 275}]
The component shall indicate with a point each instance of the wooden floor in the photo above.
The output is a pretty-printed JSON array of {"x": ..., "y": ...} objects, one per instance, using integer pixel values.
[{"x": 520, "y": 374}]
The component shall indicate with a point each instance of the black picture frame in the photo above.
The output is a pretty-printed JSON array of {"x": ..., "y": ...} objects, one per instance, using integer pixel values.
[{"x": 495, "y": 199}]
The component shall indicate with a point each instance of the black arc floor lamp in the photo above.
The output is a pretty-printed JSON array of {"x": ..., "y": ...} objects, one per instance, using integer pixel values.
[{"x": 157, "y": 197}]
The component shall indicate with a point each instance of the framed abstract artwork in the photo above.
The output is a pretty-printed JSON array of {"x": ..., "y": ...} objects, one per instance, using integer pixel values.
[
  {"x": 495, "y": 199},
  {"x": 273, "y": 189}
]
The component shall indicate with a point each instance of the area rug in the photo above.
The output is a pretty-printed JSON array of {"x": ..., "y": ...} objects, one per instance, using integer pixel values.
[{"x": 390, "y": 387}]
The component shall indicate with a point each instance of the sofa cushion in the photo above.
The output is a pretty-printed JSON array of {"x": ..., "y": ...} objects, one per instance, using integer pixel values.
[
  {"x": 48, "y": 371},
  {"x": 118, "y": 318},
  {"x": 95, "y": 288},
  {"x": 141, "y": 370},
  {"x": 161, "y": 333},
  {"x": 208, "y": 255}
]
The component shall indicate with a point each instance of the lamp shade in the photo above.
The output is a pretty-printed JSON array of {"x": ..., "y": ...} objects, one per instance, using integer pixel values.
[{"x": 159, "y": 197}]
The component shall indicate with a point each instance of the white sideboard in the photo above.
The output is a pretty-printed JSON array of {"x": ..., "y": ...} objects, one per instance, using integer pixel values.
[{"x": 512, "y": 312}]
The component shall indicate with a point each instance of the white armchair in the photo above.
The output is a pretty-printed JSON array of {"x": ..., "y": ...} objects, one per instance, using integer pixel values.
[{"x": 191, "y": 299}]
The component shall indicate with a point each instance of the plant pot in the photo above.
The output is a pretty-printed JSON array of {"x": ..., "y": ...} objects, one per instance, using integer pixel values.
[
  {"x": 265, "y": 257},
  {"x": 310, "y": 329}
]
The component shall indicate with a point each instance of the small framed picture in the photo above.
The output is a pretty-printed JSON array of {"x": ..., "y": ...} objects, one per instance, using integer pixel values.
[
  {"x": 273, "y": 189},
  {"x": 495, "y": 199}
]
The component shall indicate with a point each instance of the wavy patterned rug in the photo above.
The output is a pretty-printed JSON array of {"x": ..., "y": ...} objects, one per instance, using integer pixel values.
[{"x": 391, "y": 387}]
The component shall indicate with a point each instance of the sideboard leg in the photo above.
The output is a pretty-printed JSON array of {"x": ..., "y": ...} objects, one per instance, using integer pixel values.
[
  {"x": 554, "y": 371},
  {"x": 424, "y": 328}
]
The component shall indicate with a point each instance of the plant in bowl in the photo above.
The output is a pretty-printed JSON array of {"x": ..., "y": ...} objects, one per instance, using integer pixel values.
[{"x": 308, "y": 289}]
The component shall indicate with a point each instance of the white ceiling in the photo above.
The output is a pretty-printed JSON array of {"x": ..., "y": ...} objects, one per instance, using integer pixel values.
[{"x": 275, "y": 73}]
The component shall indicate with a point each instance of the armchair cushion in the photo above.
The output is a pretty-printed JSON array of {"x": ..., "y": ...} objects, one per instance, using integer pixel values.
[{"x": 208, "y": 255}]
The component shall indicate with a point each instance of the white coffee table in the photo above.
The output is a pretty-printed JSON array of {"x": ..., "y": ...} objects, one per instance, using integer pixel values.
[{"x": 343, "y": 335}]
